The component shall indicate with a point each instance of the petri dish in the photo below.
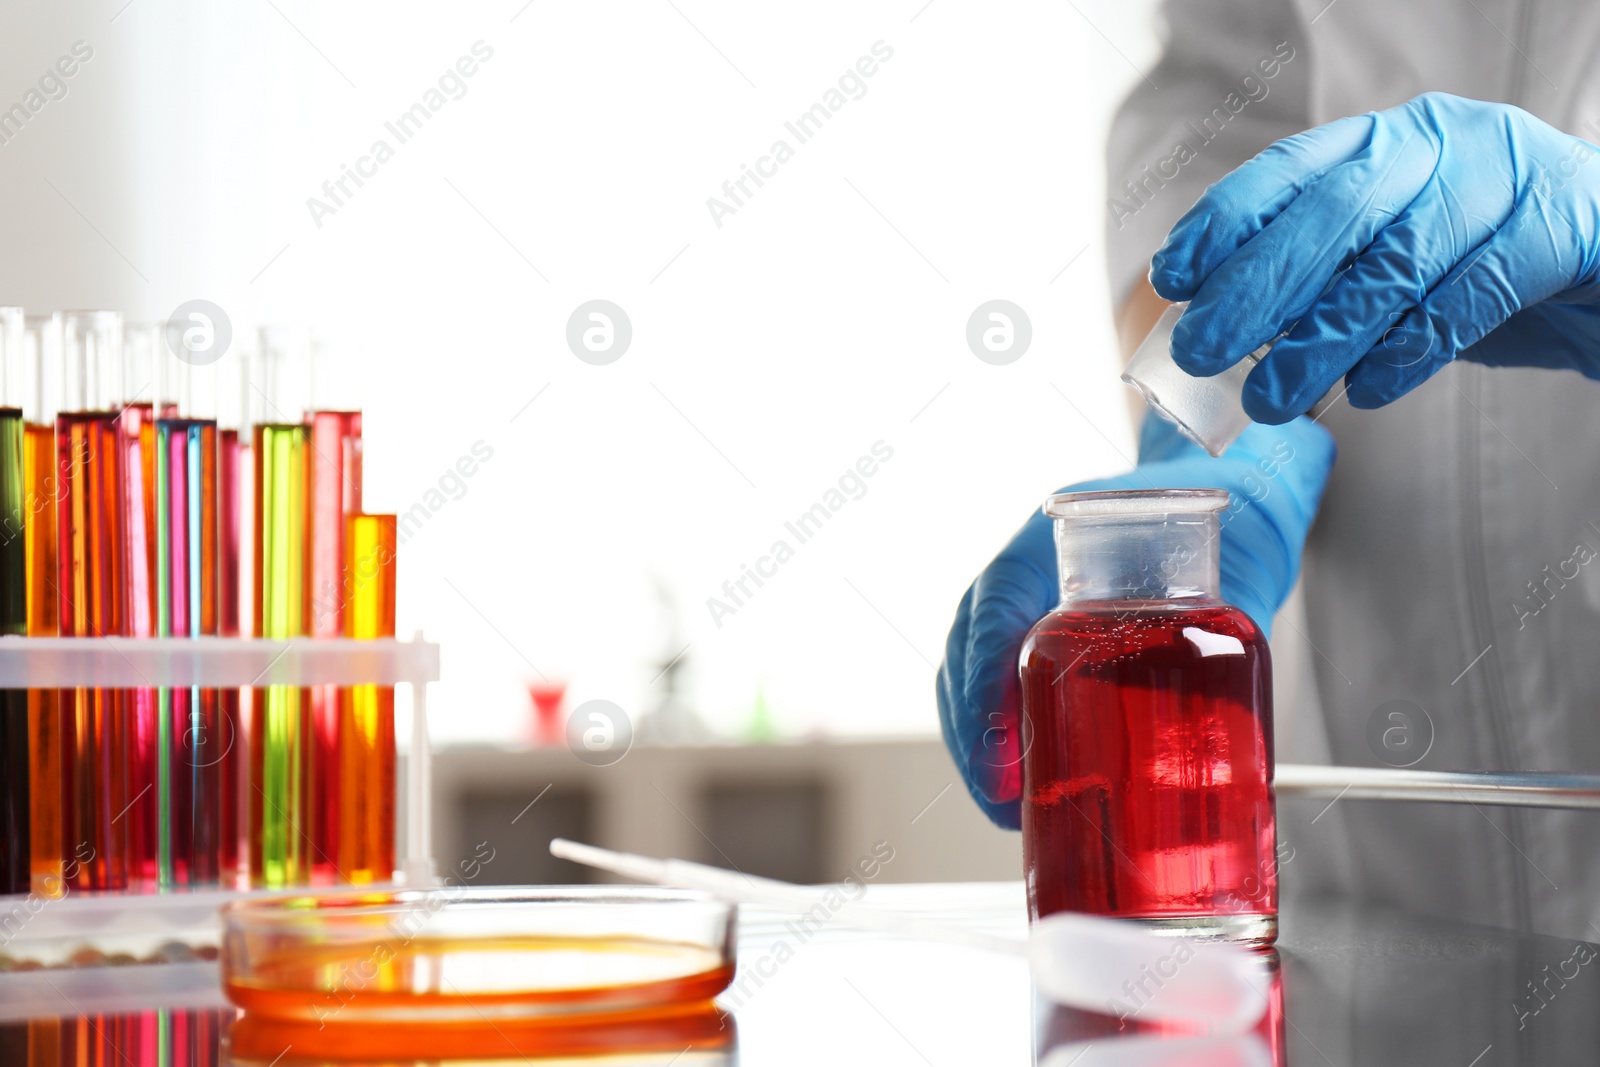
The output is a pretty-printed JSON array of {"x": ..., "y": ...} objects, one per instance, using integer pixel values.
[{"x": 446, "y": 956}]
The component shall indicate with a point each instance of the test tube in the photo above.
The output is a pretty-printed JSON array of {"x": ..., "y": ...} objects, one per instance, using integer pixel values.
[
  {"x": 140, "y": 346},
  {"x": 233, "y": 481},
  {"x": 335, "y": 493},
  {"x": 91, "y": 564},
  {"x": 16, "y": 850},
  {"x": 234, "y": 507},
  {"x": 192, "y": 734},
  {"x": 44, "y": 1041},
  {"x": 41, "y": 353},
  {"x": 366, "y": 778},
  {"x": 280, "y": 731}
]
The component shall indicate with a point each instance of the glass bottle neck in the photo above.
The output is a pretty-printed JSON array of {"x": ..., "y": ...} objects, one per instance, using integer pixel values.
[{"x": 1139, "y": 557}]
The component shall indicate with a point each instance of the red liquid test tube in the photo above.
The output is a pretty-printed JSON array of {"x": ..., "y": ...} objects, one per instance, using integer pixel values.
[
  {"x": 335, "y": 481},
  {"x": 233, "y": 484}
]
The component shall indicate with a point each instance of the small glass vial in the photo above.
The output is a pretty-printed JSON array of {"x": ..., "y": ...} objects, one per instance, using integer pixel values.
[
  {"x": 1208, "y": 411},
  {"x": 1147, "y": 726}
]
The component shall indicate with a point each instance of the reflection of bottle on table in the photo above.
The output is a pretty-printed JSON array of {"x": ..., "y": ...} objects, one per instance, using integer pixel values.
[{"x": 1126, "y": 1033}]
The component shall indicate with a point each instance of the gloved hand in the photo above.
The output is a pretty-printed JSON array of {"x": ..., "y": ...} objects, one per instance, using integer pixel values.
[
  {"x": 1468, "y": 229},
  {"x": 1275, "y": 474}
]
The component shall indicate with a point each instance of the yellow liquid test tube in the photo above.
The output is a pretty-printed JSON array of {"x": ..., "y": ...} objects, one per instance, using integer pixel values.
[
  {"x": 16, "y": 853},
  {"x": 366, "y": 750},
  {"x": 279, "y": 841}
]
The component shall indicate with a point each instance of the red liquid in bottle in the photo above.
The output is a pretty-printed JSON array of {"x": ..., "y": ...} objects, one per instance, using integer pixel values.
[{"x": 1147, "y": 767}]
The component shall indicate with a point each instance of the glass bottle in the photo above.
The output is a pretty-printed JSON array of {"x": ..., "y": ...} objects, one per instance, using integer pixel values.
[{"x": 1147, "y": 726}]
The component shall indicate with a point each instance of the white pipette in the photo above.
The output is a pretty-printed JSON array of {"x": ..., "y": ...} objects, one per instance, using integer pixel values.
[{"x": 1083, "y": 961}]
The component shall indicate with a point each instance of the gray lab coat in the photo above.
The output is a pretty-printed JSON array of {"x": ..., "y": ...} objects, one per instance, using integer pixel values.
[{"x": 1443, "y": 507}]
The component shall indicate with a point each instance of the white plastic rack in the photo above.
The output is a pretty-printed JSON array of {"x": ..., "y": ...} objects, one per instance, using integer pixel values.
[
  {"x": 242, "y": 663},
  {"x": 30, "y": 925}
]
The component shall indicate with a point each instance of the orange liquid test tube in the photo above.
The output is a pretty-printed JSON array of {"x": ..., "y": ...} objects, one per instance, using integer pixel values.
[
  {"x": 366, "y": 778},
  {"x": 40, "y": 486},
  {"x": 89, "y": 533},
  {"x": 91, "y": 558},
  {"x": 44, "y": 706}
]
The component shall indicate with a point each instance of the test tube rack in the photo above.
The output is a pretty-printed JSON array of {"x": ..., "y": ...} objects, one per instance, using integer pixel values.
[{"x": 216, "y": 663}]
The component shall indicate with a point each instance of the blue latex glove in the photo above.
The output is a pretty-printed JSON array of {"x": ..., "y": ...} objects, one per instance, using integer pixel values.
[
  {"x": 1468, "y": 229},
  {"x": 1275, "y": 475}
]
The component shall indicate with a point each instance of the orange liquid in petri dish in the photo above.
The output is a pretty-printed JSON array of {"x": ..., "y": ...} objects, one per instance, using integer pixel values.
[
  {"x": 385, "y": 981},
  {"x": 694, "y": 1034}
]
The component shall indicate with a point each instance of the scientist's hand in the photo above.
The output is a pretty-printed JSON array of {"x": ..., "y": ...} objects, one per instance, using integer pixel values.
[
  {"x": 1275, "y": 475},
  {"x": 1468, "y": 229}
]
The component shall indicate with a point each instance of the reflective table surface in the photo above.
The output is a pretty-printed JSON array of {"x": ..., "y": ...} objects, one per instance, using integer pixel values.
[{"x": 1352, "y": 985}]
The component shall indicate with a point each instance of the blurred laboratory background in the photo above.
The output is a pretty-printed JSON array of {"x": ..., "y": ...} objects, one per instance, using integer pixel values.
[{"x": 442, "y": 191}]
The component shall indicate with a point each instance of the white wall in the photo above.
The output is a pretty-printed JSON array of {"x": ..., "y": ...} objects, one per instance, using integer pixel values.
[{"x": 826, "y": 315}]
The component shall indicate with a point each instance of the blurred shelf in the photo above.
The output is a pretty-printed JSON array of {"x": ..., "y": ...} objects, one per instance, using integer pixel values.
[{"x": 804, "y": 811}]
